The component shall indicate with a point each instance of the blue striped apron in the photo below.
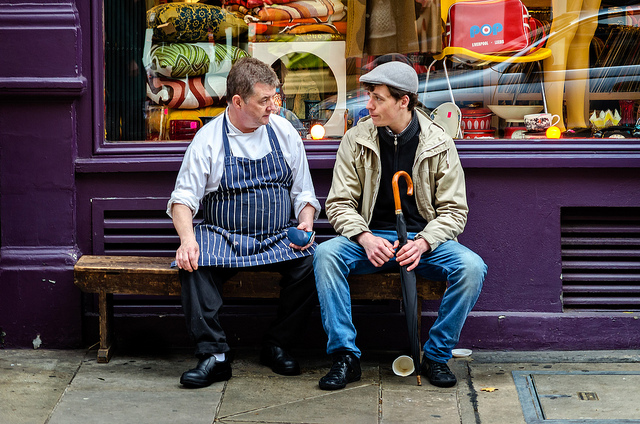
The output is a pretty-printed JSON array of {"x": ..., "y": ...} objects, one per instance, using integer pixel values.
[{"x": 246, "y": 219}]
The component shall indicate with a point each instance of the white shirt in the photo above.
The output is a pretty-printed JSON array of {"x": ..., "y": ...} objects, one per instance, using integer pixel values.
[{"x": 203, "y": 162}]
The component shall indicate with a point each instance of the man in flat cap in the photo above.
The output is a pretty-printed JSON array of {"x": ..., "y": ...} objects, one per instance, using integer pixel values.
[{"x": 396, "y": 137}]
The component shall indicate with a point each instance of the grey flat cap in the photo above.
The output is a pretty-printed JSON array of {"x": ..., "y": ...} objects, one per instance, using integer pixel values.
[{"x": 394, "y": 74}]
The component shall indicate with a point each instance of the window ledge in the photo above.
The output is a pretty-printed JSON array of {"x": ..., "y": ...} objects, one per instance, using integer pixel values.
[{"x": 563, "y": 153}]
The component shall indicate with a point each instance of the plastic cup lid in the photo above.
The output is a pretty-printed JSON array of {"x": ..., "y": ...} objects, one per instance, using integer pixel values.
[{"x": 461, "y": 353}]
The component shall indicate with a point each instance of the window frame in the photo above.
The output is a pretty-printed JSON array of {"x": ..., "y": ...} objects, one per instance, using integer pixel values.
[{"x": 101, "y": 146}]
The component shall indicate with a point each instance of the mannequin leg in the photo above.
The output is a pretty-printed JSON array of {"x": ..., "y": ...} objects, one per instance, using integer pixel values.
[
  {"x": 577, "y": 86},
  {"x": 563, "y": 30}
]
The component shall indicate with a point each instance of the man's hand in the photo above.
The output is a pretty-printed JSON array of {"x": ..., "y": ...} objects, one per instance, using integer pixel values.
[
  {"x": 306, "y": 228},
  {"x": 379, "y": 250},
  {"x": 187, "y": 255},
  {"x": 306, "y": 224},
  {"x": 411, "y": 253}
]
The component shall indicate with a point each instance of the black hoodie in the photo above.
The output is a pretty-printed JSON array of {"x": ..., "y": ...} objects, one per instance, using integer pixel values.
[{"x": 397, "y": 153}]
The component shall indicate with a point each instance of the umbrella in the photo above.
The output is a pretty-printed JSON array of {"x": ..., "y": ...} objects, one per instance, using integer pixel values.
[{"x": 408, "y": 278}]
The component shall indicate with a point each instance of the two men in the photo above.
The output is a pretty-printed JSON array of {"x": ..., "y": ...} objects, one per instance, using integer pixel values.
[
  {"x": 249, "y": 169},
  {"x": 360, "y": 206}
]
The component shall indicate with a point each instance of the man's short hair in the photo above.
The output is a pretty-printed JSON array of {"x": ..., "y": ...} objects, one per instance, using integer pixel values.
[
  {"x": 396, "y": 94},
  {"x": 245, "y": 74}
]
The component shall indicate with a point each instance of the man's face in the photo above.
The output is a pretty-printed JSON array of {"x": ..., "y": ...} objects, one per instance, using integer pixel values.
[
  {"x": 383, "y": 108},
  {"x": 255, "y": 112}
]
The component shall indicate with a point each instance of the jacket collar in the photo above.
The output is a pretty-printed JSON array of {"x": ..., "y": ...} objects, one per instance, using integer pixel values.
[{"x": 433, "y": 138}]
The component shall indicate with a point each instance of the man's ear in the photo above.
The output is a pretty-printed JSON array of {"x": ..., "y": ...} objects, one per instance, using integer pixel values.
[
  {"x": 405, "y": 101},
  {"x": 237, "y": 102}
]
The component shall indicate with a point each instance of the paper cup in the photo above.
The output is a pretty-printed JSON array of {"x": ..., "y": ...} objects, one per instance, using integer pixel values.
[{"x": 403, "y": 366}]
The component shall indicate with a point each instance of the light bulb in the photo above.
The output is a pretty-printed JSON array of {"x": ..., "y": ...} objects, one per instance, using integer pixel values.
[
  {"x": 317, "y": 132},
  {"x": 553, "y": 132}
]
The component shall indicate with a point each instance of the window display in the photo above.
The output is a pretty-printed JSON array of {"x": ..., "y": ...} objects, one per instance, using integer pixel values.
[{"x": 166, "y": 62}]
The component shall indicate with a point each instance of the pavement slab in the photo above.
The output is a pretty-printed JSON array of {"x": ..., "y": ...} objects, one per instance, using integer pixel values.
[
  {"x": 259, "y": 395},
  {"x": 404, "y": 402},
  {"x": 136, "y": 390},
  {"x": 33, "y": 381},
  {"x": 358, "y": 403}
]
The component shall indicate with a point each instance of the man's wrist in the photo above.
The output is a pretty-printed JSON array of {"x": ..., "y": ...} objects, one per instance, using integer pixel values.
[
  {"x": 360, "y": 237},
  {"x": 423, "y": 244}
]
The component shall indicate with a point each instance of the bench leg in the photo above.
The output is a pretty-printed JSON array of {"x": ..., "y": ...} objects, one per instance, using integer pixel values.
[{"x": 105, "y": 301}]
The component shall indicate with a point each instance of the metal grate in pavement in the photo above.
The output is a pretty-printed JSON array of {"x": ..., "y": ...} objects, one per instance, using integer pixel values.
[{"x": 579, "y": 397}]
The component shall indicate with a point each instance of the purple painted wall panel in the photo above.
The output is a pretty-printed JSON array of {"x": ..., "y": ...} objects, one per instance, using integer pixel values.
[
  {"x": 38, "y": 185},
  {"x": 515, "y": 225},
  {"x": 38, "y": 144}
]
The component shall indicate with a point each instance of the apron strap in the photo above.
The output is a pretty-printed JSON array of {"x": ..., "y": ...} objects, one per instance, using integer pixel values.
[
  {"x": 225, "y": 138},
  {"x": 273, "y": 139}
]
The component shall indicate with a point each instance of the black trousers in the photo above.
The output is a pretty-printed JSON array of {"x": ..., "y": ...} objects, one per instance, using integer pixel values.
[{"x": 202, "y": 301}]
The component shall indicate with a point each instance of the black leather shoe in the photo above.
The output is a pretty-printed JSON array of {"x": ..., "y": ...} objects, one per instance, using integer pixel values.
[
  {"x": 279, "y": 360},
  {"x": 438, "y": 373},
  {"x": 207, "y": 372},
  {"x": 345, "y": 369}
]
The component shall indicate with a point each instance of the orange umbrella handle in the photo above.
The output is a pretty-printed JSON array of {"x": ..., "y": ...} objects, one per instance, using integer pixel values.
[{"x": 396, "y": 191}]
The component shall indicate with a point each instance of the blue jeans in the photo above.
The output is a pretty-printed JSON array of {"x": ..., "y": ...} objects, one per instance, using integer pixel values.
[{"x": 463, "y": 269}]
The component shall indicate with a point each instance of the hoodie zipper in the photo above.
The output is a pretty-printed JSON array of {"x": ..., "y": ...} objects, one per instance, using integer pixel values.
[{"x": 395, "y": 153}]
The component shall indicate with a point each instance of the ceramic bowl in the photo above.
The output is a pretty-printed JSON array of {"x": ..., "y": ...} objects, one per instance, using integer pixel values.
[{"x": 515, "y": 113}]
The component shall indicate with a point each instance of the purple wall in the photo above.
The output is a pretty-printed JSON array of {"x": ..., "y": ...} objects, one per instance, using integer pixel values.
[
  {"x": 515, "y": 225},
  {"x": 41, "y": 79},
  {"x": 56, "y": 175}
]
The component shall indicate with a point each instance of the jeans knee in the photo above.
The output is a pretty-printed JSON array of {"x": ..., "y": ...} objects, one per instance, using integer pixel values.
[
  {"x": 328, "y": 265},
  {"x": 327, "y": 256},
  {"x": 472, "y": 271},
  {"x": 477, "y": 267},
  {"x": 476, "y": 271}
]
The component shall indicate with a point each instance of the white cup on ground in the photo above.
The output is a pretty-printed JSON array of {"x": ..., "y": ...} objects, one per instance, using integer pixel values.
[{"x": 403, "y": 366}]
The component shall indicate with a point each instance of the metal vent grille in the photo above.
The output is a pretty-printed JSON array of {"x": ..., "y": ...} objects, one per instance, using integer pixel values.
[
  {"x": 141, "y": 227},
  {"x": 133, "y": 227},
  {"x": 601, "y": 258}
]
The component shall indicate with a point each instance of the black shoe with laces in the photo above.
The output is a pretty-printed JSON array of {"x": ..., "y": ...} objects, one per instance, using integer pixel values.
[
  {"x": 345, "y": 369},
  {"x": 438, "y": 373}
]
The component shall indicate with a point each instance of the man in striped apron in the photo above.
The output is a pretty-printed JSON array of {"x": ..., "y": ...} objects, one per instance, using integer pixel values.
[{"x": 249, "y": 169}]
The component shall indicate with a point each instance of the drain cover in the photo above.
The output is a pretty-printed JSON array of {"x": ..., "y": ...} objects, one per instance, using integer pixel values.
[
  {"x": 558, "y": 397},
  {"x": 588, "y": 396}
]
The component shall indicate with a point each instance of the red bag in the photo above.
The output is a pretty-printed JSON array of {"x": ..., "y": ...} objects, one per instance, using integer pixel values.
[{"x": 490, "y": 26}]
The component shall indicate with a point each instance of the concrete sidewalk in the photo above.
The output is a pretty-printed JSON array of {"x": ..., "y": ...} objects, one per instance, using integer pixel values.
[{"x": 69, "y": 387}]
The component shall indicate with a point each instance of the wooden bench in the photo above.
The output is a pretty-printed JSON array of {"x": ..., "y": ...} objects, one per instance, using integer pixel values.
[{"x": 109, "y": 275}]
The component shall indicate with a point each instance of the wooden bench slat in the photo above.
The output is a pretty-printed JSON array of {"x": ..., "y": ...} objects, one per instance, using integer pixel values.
[
  {"x": 154, "y": 276},
  {"x": 125, "y": 264}
]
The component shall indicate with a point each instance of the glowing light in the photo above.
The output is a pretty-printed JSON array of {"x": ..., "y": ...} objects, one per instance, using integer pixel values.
[
  {"x": 317, "y": 132},
  {"x": 553, "y": 132}
]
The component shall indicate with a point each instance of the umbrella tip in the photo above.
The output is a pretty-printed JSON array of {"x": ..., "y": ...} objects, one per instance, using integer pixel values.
[{"x": 419, "y": 380}]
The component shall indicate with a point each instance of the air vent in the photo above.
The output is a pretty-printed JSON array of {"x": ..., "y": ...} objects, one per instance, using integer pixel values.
[
  {"x": 133, "y": 227},
  {"x": 141, "y": 232},
  {"x": 601, "y": 258},
  {"x": 141, "y": 227}
]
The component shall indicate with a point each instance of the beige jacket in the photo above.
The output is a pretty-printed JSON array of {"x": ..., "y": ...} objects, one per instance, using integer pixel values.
[{"x": 437, "y": 175}]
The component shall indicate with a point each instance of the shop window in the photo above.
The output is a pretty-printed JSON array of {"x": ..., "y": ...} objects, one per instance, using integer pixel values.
[{"x": 165, "y": 64}]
